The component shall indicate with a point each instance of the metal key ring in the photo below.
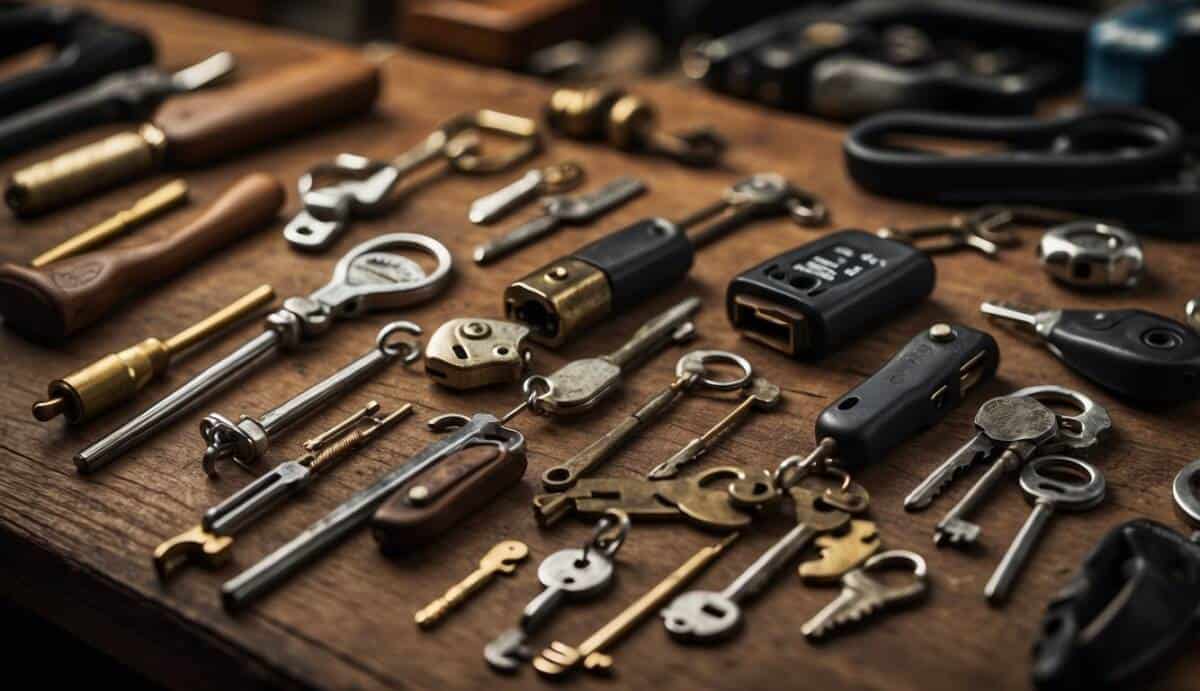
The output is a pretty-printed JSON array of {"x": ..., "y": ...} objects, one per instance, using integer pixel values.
[
  {"x": 524, "y": 130},
  {"x": 695, "y": 361},
  {"x": 1035, "y": 483},
  {"x": 920, "y": 570},
  {"x": 609, "y": 534},
  {"x": 1077, "y": 432},
  {"x": 346, "y": 297},
  {"x": 1184, "y": 491},
  {"x": 410, "y": 347}
]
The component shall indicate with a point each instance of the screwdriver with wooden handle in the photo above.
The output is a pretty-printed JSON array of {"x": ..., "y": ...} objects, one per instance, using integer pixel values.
[
  {"x": 200, "y": 128},
  {"x": 117, "y": 377},
  {"x": 46, "y": 305}
]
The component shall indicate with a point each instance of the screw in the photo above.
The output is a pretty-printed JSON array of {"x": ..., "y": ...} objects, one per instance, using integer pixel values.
[
  {"x": 476, "y": 330},
  {"x": 941, "y": 333}
]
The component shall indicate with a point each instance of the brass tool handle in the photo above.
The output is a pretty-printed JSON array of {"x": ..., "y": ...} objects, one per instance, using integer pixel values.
[
  {"x": 83, "y": 171},
  {"x": 206, "y": 126},
  {"x": 47, "y": 305},
  {"x": 144, "y": 209}
]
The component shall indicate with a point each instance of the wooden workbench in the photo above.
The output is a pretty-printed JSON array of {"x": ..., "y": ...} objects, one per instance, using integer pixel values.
[{"x": 76, "y": 549}]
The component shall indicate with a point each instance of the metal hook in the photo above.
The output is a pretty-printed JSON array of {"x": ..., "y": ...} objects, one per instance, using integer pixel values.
[{"x": 609, "y": 534}]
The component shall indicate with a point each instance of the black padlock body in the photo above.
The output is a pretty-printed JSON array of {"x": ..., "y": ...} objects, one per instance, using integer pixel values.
[
  {"x": 1145, "y": 579},
  {"x": 840, "y": 285},
  {"x": 1135, "y": 353},
  {"x": 918, "y": 387},
  {"x": 640, "y": 260}
]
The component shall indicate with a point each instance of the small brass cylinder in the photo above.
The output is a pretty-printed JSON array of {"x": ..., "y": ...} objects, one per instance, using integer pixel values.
[{"x": 74, "y": 174}]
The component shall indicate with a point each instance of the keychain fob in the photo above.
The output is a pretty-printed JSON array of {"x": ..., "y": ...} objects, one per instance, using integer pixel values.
[
  {"x": 919, "y": 386},
  {"x": 810, "y": 300}
]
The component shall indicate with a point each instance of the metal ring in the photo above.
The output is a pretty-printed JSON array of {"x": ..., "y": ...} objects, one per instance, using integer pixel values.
[
  {"x": 919, "y": 568},
  {"x": 1184, "y": 490},
  {"x": 686, "y": 366},
  {"x": 1074, "y": 496},
  {"x": 348, "y": 298},
  {"x": 529, "y": 386},
  {"x": 610, "y": 533},
  {"x": 413, "y": 346}
]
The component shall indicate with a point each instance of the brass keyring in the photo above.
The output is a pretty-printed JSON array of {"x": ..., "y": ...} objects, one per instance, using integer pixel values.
[{"x": 470, "y": 161}]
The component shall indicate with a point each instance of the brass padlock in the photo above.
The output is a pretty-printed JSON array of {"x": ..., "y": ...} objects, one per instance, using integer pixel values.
[{"x": 471, "y": 352}]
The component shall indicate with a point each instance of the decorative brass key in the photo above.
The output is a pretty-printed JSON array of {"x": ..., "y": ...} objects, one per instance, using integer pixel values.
[{"x": 502, "y": 558}]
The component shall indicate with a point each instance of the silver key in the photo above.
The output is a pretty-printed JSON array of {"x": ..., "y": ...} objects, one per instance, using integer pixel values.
[
  {"x": 554, "y": 179},
  {"x": 559, "y": 210},
  {"x": 705, "y": 615},
  {"x": 1077, "y": 433},
  {"x": 863, "y": 595},
  {"x": 579, "y": 385},
  {"x": 1043, "y": 481},
  {"x": 568, "y": 574},
  {"x": 1018, "y": 425},
  {"x": 762, "y": 395}
]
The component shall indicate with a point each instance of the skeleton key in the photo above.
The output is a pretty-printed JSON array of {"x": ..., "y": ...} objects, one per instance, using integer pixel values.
[
  {"x": 579, "y": 386},
  {"x": 554, "y": 179},
  {"x": 557, "y": 211},
  {"x": 560, "y": 658},
  {"x": 863, "y": 595},
  {"x": 696, "y": 499},
  {"x": 1077, "y": 433},
  {"x": 1049, "y": 493},
  {"x": 703, "y": 615},
  {"x": 690, "y": 371},
  {"x": 762, "y": 395},
  {"x": 841, "y": 553},
  {"x": 1018, "y": 425},
  {"x": 502, "y": 558},
  {"x": 567, "y": 574}
]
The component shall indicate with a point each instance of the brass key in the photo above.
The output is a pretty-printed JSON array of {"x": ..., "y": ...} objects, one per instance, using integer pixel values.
[{"x": 502, "y": 558}]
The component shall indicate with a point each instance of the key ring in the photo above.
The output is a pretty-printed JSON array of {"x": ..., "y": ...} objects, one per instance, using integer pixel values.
[
  {"x": 609, "y": 534},
  {"x": 920, "y": 570},
  {"x": 1184, "y": 491},
  {"x": 371, "y": 277},
  {"x": 794, "y": 469},
  {"x": 409, "y": 347},
  {"x": 694, "y": 363}
]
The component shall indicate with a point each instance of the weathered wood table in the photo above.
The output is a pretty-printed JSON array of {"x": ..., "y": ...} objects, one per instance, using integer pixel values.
[{"x": 77, "y": 549}]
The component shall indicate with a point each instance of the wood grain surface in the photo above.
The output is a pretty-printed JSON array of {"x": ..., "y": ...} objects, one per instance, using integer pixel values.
[{"x": 77, "y": 549}]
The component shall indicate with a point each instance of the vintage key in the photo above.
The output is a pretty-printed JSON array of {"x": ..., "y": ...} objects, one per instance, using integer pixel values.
[
  {"x": 374, "y": 275},
  {"x": 1077, "y": 433},
  {"x": 937, "y": 239},
  {"x": 1015, "y": 426},
  {"x": 580, "y": 385},
  {"x": 502, "y": 558},
  {"x": 567, "y": 574},
  {"x": 841, "y": 553},
  {"x": 690, "y": 371},
  {"x": 334, "y": 193},
  {"x": 1044, "y": 481},
  {"x": 559, "y": 658},
  {"x": 1140, "y": 355},
  {"x": 559, "y": 210},
  {"x": 704, "y": 616},
  {"x": 552, "y": 179},
  {"x": 699, "y": 499},
  {"x": 761, "y": 395},
  {"x": 246, "y": 441},
  {"x": 863, "y": 595},
  {"x": 211, "y": 541}
]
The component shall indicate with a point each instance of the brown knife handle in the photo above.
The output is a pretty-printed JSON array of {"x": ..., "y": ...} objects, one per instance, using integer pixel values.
[
  {"x": 209, "y": 125},
  {"x": 51, "y": 303},
  {"x": 457, "y": 486}
]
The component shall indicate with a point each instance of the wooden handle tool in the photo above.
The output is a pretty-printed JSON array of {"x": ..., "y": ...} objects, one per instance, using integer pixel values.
[
  {"x": 47, "y": 305},
  {"x": 201, "y": 128}
]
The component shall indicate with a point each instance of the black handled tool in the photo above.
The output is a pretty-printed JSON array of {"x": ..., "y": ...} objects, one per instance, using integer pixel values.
[
  {"x": 1134, "y": 602},
  {"x": 87, "y": 48},
  {"x": 1138, "y": 354},
  {"x": 129, "y": 96}
]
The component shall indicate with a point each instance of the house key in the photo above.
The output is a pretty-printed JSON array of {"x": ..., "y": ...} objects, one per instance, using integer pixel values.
[
  {"x": 704, "y": 615},
  {"x": 559, "y": 210},
  {"x": 567, "y": 575},
  {"x": 502, "y": 558},
  {"x": 863, "y": 595},
  {"x": 553, "y": 179}
]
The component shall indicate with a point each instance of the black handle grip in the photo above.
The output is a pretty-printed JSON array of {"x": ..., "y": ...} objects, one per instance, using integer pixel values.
[
  {"x": 1136, "y": 353},
  {"x": 915, "y": 389},
  {"x": 640, "y": 260}
]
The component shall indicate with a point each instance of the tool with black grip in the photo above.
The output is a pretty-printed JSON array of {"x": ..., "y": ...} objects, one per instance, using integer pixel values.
[
  {"x": 87, "y": 47},
  {"x": 49, "y": 304},
  {"x": 811, "y": 300},
  {"x": 1140, "y": 355},
  {"x": 624, "y": 268}
]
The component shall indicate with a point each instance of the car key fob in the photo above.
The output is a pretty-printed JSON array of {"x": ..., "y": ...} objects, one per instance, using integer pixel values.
[
  {"x": 922, "y": 382},
  {"x": 810, "y": 300},
  {"x": 433, "y": 501},
  {"x": 1135, "y": 601}
]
